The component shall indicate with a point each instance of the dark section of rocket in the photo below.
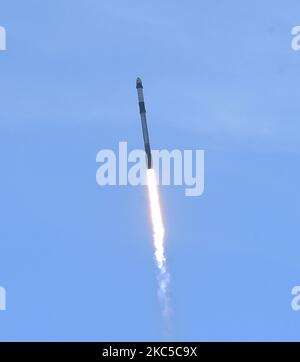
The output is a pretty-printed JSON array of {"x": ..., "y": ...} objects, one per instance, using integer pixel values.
[{"x": 139, "y": 87}]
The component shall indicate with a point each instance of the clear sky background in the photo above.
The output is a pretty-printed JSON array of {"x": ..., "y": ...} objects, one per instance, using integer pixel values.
[{"x": 76, "y": 259}]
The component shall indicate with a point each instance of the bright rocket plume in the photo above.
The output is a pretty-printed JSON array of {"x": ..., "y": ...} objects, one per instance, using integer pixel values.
[
  {"x": 158, "y": 237},
  {"x": 156, "y": 217}
]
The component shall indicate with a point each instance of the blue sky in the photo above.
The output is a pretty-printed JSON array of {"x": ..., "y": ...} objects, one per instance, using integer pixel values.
[{"x": 76, "y": 259}]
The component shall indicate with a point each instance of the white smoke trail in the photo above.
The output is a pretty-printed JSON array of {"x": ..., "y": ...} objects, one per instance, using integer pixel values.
[{"x": 158, "y": 237}]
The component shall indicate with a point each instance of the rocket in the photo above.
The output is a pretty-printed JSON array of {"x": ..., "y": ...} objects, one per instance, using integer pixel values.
[{"x": 139, "y": 87}]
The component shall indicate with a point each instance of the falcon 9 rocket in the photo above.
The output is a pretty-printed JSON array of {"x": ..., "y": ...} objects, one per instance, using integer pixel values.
[{"x": 139, "y": 87}]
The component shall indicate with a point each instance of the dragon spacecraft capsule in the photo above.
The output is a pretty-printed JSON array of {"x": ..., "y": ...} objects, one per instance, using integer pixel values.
[{"x": 139, "y": 87}]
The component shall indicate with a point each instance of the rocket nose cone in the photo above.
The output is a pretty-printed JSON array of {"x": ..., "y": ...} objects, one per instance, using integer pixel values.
[{"x": 139, "y": 83}]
